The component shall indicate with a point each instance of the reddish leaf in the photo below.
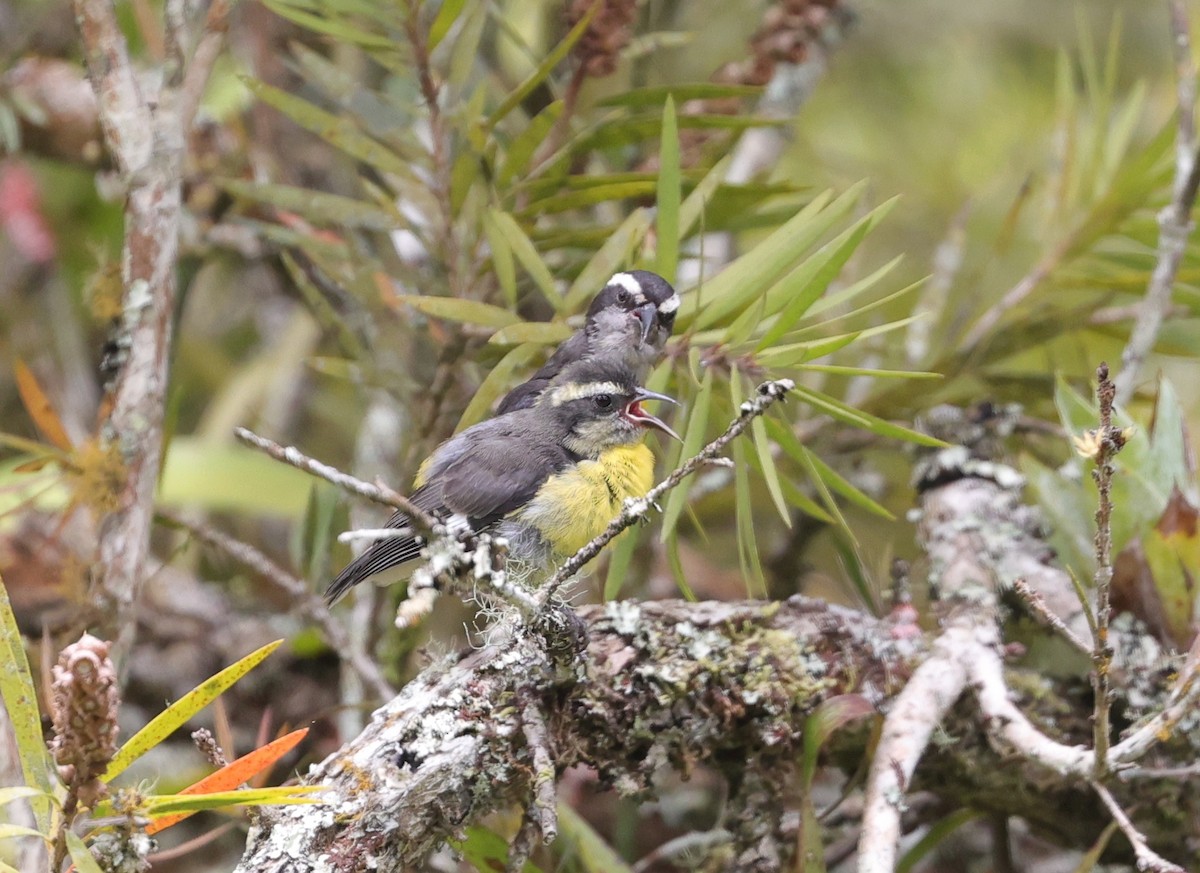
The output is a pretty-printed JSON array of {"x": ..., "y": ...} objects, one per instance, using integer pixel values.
[
  {"x": 233, "y": 774},
  {"x": 39, "y": 408}
]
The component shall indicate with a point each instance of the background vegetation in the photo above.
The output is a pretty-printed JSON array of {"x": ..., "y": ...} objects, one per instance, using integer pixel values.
[{"x": 927, "y": 203}]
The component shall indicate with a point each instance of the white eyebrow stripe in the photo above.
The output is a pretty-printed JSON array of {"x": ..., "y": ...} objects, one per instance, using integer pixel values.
[
  {"x": 567, "y": 393},
  {"x": 629, "y": 283},
  {"x": 669, "y": 305}
]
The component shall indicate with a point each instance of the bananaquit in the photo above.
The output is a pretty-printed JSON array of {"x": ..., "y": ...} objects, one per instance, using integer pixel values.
[
  {"x": 548, "y": 478},
  {"x": 639, "y": 293}
]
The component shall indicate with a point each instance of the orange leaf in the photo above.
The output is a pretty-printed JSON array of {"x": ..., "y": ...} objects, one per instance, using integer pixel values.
[
  {"x": 39, "y": 408},
  {"x": 233, "y": 774}
]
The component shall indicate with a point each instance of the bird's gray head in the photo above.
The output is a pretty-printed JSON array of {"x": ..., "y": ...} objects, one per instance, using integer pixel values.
[
  {"x": 598, "y": 406},
  {"x": 636, "y": 288}
]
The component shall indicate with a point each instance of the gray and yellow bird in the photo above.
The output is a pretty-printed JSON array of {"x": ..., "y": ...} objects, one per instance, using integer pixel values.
[
  {"x": 548, "y": 478},
  {"x": 639, "y": 294}
]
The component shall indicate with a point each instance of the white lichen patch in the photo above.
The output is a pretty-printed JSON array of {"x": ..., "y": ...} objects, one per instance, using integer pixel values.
[{"x": 626, "y": 617}]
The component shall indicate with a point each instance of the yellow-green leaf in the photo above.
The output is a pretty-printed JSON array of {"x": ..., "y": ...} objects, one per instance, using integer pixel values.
[
  {"x": 615, "y": 252},
  {"x": 457, "y": 309},
  {"x": 80, "y": 856},
  {"x": 170, "y": 804},
  {"x": 174, "y": 716},
  {"x": 693, "y": 441},
  {"x": 669, "y": 195},
  {"x": 444, "y": 20},
  {"x": 763, "y": 446},
  {"x": 543, "y": 333},
  {"x": 12, "y": 831},
  {"x": 496, "y": 383},
  {"x": 528, "y": 255},
  {"x": 20, "y": 701},
  {"x": 545, "y": 67}
]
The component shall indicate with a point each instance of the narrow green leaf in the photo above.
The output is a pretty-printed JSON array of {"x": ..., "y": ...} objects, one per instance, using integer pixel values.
[
  {"x": 655, "y": 96},
  {"x": 486, "y": 850},
  {"x": 546, "y": 67},
  {"x": 620, "y": 556},
  {"x": 19, "y": 792},
  {"x": 669, "y": 195},
  {"x": 865, "y": 371},
  {"x": 590, "y": 195},
  {"x": 808, "y": 281},
  {"x": 80, "y": 856},
  {"x": 502, "y": 259},
  {"x": 1091, "y": 858},
  {"x": 543, "y": 333},
  {"x": 460, "y": 310},
  {"x": 339, "y": 30},
  {"x": 339, "y": 132},
  {"x": 756, "y": 584},
  {"x": 806, "y": 459},
  {"x": 693, "y": 441},
  {"x": 786, "y": 438},
  {"x": 528, "y": 255},
  {"x": 692, "y": 209},
  {"x": 20, "y": 701},
  {"x": 794, "y": 354},
  {"x": 589, "y": 849},
  {"x": 444, "y": 20},
  {"x": 12, "y": 831},
  {"x": 497, "y": 382},
  {"x": 762, "y": 445},
  {"x": 676, "y": 565},
  {"x": 826, "y": 720},
  {"x": 464, "y": 53},
  {"x": 754, "y": 272},
  {"x": 319, "y": 207},
  {"x": 520, "y": 152},
  {"x": 848, "y": 414},
  {"x": 174, "y": 716},
  {"x": 608, "y": 259},
  {"x": 283, "y": 795},
  {"x": 935, "y": 837}
]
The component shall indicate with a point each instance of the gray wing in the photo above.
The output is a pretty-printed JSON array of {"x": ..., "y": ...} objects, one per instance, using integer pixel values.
[
  {"x": 506, "y": 462},
  {"x": 384, "y": 554},
  {"x": 483, "y": 474}
]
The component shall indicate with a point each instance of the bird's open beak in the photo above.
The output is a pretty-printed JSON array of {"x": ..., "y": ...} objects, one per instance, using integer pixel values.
[
  {"x": 647, "y": 314},
  {"x": 639, "y": 416}
]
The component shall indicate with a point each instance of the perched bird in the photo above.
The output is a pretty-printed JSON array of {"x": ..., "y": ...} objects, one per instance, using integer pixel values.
[
  {"x": 639, "y": 294},
  {"x": 548, "y": 478}
]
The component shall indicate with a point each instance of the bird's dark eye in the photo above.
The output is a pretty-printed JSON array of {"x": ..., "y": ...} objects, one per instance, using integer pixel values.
[
  {"x": 622, "y": 296},
  {"x": 604, "y": 401}
]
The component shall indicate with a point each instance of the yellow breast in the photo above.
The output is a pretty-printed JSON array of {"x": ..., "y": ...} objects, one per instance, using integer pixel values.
[{"x": 576, "y": 505}]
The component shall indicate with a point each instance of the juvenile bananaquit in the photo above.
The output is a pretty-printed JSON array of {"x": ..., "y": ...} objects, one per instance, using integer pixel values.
[
  {"x": 639, "y": 294},
  {"x": 548, "y": 478}
]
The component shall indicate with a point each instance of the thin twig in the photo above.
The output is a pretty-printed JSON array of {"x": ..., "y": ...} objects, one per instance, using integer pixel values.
[
  {"x": 768, "y": 394},
  {"x": 543, "y": 807},
  {"x": 1175, "y": 221},
  {"x": 377, "y": 492},
  {"x": 1147, "y": 859},
  {"x": 199, "y": 68},
  {"x": 1102, "y": 652},
  {"x": 1035, "y": 602},
  {"x": 307, "y": 602}
]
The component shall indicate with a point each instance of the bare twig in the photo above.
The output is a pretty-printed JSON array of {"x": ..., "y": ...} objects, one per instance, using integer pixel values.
[
  {"x": 378, "y": 492},
  {"x": 543, "y": 809},
  {"x": 1102, "y": 651},
  {"x": 195, "y": 76},
  {"x": 146, "y": 140},
  {"x": 307, "y": 602},
  {"x": 1037, "y": 603},
  {"x": 1180, "y": 702},
  {"x": 1175, "y": 221},
  {"x": 1017, "y": 294},
  {"x": 1147, "y": 859},
  {"x": 768, "y": 393},
  {"x": 909, "y": 725}
]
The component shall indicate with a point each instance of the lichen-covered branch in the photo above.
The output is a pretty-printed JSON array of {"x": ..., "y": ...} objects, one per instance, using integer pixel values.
[{"x": 658, "y": 684}]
